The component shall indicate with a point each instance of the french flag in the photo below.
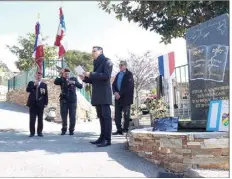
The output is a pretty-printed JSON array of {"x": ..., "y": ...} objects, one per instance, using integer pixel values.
[
  {"x": 60, "y": 35},
  {"x": 38, "y": 53},
  {"x": 166, "y": 64}
]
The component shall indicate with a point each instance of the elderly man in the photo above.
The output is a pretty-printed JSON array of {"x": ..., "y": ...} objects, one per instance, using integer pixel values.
[
  {"x": 101, "y": 93},
  {"x": 37, "y": 101},
  {"x": 68, "y": 99},
  {"x": 123, "y": 89}
]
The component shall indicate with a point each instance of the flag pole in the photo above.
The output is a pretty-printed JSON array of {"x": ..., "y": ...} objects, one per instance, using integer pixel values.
[
  {"x": 38, "y": 16},
  {"x": 170, "y": 96}
]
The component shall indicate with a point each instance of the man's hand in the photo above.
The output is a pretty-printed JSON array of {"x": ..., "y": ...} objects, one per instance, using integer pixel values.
[
  {"x": 82, "y": 77},
  {"x": 117, "y": 95},
  {"x": 87, "y": 74},
  {"x": 61, "y": 72}
]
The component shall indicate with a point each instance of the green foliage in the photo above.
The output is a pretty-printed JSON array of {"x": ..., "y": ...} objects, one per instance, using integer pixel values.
[
  {"x": 75, "y": 58},
  {"x": 157, "y": 107},
  {"x": 154, "y": 91},
  {"x": 25, "y": 50},
  {"x": 170, "y": 19},
  {"x": 3, "y": 67}
]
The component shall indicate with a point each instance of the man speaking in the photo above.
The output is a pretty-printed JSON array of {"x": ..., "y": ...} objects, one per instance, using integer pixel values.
[{"x": 101, "y": 93}]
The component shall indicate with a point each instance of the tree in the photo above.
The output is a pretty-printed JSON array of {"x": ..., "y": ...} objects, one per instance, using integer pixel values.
[
  {"x": 25, "y": 50},
  {"x": 144, "y": 69},
  {"x": 3, "y": 67},
  {"x": 75, "y": 58},
  {"x": 170, "y": 19}
]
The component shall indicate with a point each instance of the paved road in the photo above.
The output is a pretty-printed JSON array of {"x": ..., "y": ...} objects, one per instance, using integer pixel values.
[{"x": 62, "y": 156}]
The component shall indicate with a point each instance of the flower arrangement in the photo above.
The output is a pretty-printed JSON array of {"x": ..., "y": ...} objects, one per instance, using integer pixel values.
[{"x": 157, "y": 107}]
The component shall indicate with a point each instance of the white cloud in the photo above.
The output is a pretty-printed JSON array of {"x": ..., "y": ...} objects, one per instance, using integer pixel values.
[{"x": 5, "y": 55}]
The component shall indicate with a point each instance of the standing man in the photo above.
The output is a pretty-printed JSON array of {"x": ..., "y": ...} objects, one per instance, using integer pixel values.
[
  {"x": 37, "y": 101},
  {"x": 68, "y": 99},
  {"x": 101, "y": 93},
  {"x": 123, "y": 89}
]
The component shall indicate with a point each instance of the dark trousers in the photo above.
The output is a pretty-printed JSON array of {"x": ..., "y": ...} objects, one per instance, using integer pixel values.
[
  {"x": 119, "y": 108},
  {"x": 104, "y": 114},
  {"x": 65, "y": 108},
  {"x": 36, "y": 112}
]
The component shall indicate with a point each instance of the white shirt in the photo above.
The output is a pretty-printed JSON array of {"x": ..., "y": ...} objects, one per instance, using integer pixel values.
[{"x": 39, "y": 83}]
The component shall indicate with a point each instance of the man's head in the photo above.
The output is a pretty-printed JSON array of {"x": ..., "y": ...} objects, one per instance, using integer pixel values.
[
  {"x": 38, "y": 76},
  {"x": 96, "y": 52},
  {"x": 122, "y": 65},
  {"x": 66, "y": 73}
]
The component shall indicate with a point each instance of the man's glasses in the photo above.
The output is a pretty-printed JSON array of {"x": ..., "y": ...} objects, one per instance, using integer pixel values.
[{"x": 121, "y": 65}]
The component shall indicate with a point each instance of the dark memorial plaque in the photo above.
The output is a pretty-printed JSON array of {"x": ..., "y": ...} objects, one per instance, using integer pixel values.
[{"x": 208, "y": 59}]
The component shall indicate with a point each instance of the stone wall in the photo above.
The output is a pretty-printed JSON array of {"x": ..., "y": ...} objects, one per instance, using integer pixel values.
[
  {"x": 177, "y": 151},
  {"x": 19, "y": 96}
]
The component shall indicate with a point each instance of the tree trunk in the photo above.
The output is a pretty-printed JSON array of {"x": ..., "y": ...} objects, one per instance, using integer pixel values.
[{"x": 137, "y": 100}]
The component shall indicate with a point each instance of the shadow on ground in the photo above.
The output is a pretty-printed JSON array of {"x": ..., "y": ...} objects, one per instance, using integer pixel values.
[
  {"x": 18, "y": 141},
  {"x": 13, "y": 107},
  {"x": 12, "y": 140}
]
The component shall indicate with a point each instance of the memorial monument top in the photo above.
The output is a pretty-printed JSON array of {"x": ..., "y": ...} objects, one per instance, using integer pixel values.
[{"x": 208, "y": 52}]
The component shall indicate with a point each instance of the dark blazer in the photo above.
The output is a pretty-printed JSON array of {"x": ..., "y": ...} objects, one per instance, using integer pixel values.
[
  {"x": 100, "y": 80},
  {"x": 127, "y": 88},
  {"x": 68, "y": 89},
  {"x": 42, "y": 95}
]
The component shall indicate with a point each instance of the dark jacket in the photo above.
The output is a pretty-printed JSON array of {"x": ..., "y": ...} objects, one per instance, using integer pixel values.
[
  {"x": 100, "y": 80},
  {"x": 127, "y": 88},
  {"x": 42, "y": 95},
  {"x": 68, "y": 91}
]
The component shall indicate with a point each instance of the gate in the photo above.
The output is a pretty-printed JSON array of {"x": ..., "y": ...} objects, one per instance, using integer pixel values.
[{"x": 181, "y": 92}]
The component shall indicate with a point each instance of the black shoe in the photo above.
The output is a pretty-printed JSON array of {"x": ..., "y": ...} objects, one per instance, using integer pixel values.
[
  {"x": 40, "y": 135},
  {"x": 71, "y": 133},
  {"x": 104, "y": 143},
  {"x": 117, "y": 133},
  {"x": 63, "y": 133},
  {"x": 31, "y": 135},
  {"x": 98, "y": 141},
  {"x": 125, "y": 130}
]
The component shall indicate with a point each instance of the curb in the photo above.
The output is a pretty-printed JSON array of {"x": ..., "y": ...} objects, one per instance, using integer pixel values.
[{"x": 190, "y": 173}]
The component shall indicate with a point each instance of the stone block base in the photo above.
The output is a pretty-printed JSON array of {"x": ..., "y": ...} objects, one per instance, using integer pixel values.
[{"x": 178, "y": 151}]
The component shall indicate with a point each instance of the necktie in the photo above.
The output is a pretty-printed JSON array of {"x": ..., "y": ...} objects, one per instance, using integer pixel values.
[{"x": 37, "y": 92}]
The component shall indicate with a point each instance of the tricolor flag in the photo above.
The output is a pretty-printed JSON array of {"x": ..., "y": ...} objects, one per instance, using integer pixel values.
[
  {"x": 38, "y": 53},
  {"x": 60, "y": 35},
  {"x": 166, "y": 64}
]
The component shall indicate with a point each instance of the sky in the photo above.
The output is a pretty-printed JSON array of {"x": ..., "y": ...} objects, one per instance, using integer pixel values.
[{"x": 86, "y": 26}]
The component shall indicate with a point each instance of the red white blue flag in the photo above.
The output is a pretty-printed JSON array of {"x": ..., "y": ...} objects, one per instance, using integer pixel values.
[
  {"x": 38, "y": 53},
  {"x": 60, "y": 35},
  {"x": 166, "y": 64}
]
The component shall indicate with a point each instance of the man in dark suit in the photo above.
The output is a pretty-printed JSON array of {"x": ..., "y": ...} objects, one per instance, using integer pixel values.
[
  {"x": 37, "y": 101},
  {"x": 123, "y": 89},
  {"x": 68, "y": 99},
  {"x": 101, "y": 93}
]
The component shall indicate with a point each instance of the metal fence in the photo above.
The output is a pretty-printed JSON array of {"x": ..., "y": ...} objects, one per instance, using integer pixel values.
[
  {"x": 181, "y": 92},
  {"x": 49, "y": 71}
]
